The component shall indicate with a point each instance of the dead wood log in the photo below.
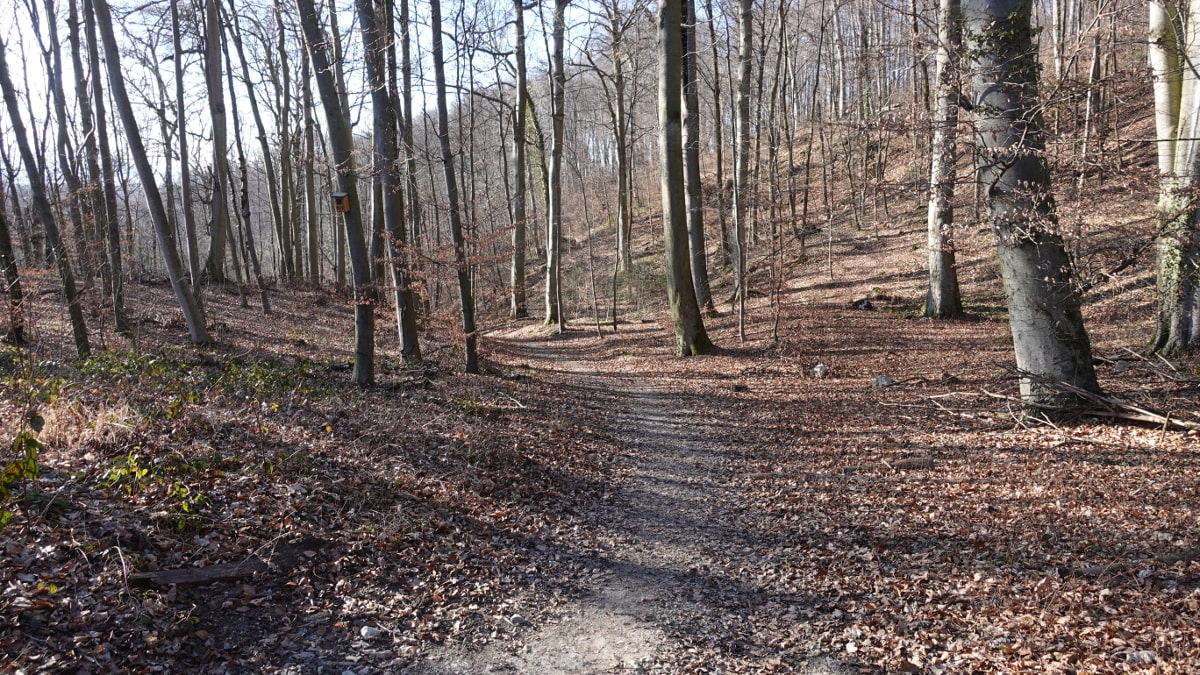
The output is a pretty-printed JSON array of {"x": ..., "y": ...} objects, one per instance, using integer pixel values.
[{"x": 283, "y": 557}]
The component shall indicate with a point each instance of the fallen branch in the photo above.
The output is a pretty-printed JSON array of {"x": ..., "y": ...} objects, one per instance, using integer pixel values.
[{"x": 283, "y": 557}]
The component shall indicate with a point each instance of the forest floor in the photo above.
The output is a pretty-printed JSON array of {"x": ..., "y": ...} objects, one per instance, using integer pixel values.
[
  {"x": 592, "y": 504},
  {"x": 595, "y": 505}
]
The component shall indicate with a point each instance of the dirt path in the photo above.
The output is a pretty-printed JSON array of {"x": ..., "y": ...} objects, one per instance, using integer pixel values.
[{"x": 663, "y": 575}]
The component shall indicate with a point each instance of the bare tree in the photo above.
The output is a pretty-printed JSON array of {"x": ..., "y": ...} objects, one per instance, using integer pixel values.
[
  {"x": 518, "y": 308},
  {"x": 741, "y": 187},
  {"x": 471, "y": 359},
  {"x": 341, "y": 142},
  {"x": 691, "y": 145},
  {"x": 215, "y": 266},
  {"x": 192, "y": 315},
  {"x": 690, "y": 336},
  {"x": 41, "y": 205},
  {"x": 558, "y": 84},
  {"x": 12, "y": 283},
  {"x": 387, "y": 165},
  {"x": 943, "y": 298},
  {"x": 107, "y": 209}
]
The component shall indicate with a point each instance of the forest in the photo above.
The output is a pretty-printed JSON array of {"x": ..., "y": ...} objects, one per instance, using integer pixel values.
[{"x": 600, "y": 336}]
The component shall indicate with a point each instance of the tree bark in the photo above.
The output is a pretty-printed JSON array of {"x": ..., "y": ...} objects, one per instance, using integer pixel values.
[
  {"x": 741, "y": 172},
  {"x": 108, "y": 187},
  {"x": 215, "y": 266},
  {"x": 192, "y": 315},
  {"x": 943, "y": 299},
  {"x": 185, "y": 172},
  {"x": 387, "y": 162},
  {"x": 518, "y": 306},
  {"x": 558, "y": 83},
  {"x": 691, "y": 144},
  {"x": 471, "y": 359},
  {"x": 690, "y": 336},
  {"x": 68, "y": 166},
  {"x": 244, "y": 202},
  {"x": 1049, "y": 338},
  {"x": 264, "y": 145},
  {"x": 12, "y": 283},
  {"x": 1177, "y": 121},
  {"x": 719, "y": 132},
  {"x": 341, "y": 143},
  {"x": 41, "y": 205}
]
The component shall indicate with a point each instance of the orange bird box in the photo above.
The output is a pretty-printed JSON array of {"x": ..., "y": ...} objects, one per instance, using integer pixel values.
[{"x": 341, "y": 202}]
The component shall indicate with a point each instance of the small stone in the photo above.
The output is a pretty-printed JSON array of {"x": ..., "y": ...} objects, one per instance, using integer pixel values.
[
  {"x": 369, "y": 632},
  {"x": 1122, "y": 366},
  {"x": 820, "y": 370},
  {"x": 518, "y": 620},
  {"x": 883, "y": 381},
  {"x": 1143, "y": 657}
]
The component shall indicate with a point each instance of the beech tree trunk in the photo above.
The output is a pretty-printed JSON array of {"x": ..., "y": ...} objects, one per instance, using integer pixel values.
[
  {"x": 185, "y": 172},
  {"x": 387, "y": 164},
  {"x": 471, "y": 359},
  {"x": 943, "y": 299},
  {"x": 518, "y": 306},
  {"x": 215, "y": 266},
  {"x": 741, "y": 169},
  {"x": 264, "y": 144},
  {"x": 690, "y": 336},
  {"x": 341, "y": 143},
  {"x": 1049, "y": 338},
  {"x": 1177, "y": 121},
  {"x": 558, "y": 83},
  {"x": 244, "y": 183},
  {"x": 691, "y": 149}
]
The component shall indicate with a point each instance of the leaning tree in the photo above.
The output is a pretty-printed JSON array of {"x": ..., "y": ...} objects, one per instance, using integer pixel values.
[{"x": 1051, "y": 344}]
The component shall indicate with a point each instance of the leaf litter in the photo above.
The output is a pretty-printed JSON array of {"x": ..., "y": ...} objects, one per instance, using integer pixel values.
[{"x": 821, "y": 523}]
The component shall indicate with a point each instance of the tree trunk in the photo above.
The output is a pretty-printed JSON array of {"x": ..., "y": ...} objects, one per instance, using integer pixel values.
[
  {"x": 518, "y": 307},
  {"x": 12, "y": 283},
  {"x": 1049, "y": 338},
  {"x": 471, "y": 359},
  {"x": 690, "y": 336},
  {"x": 192, "y": 315},
  {"x": 41, "y": 205},
  {"x": 691, "y": 145},
  {"x": 1176, "y": 95},
  {"x": 558, "y": 83},
  {"x": 66, "y": 154},
  {"x": 719, "y": 132},
  {"x": 943, "y": 299},
  {"x": 288, "y": 244},
  {"x": 741, "y": 190},
  {"x": 277, "y": 216},
  {"x": 244, "y": 202},
  {"x": 311, "y": 199},
  {"x": 185, "y": 161},
  {"x": 108, "y": 187},
  {"x": 387, "y": 163},
  {"x": 413, "y": 227},
  {"x": 99, "y": 209},
  {"x": 341, "y": 142},
  {"x": 215, "y": 267}
]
